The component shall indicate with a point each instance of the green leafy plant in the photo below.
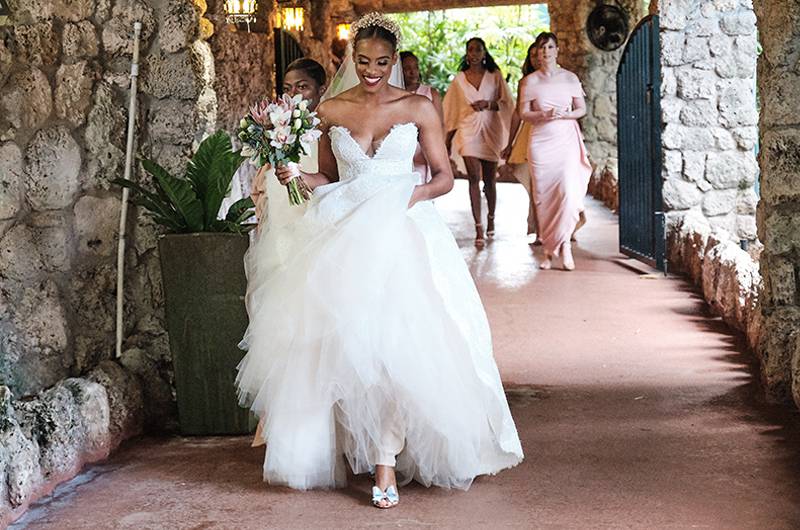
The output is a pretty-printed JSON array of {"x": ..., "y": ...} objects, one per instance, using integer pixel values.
[
  {"x": 191, "y": 203},
  {"x": 438, "y": 38}
]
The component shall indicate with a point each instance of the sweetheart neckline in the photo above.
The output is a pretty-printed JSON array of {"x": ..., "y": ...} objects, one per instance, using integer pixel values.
[{"x": 349, "y": 134}]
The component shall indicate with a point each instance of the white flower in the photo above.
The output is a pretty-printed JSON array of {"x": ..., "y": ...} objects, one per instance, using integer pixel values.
[
  {"x": 297, "y": 124},
  {"x": 308, "y": 138},
  {"x": 247, "y": 151},
  {"x": 280, "y": 117},
  {"x": 243, "y": 123},
  {"x": 297, "y": 99},
  {"x": 296, "y": 113},
  {"x": 303, "y": 105}
]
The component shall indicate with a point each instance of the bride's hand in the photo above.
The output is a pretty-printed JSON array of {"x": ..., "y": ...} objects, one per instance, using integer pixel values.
[{"x": 287, "y": 172}]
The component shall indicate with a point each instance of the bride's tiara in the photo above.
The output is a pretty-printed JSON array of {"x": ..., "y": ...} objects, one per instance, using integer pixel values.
[{"x": 376, "y": 19}]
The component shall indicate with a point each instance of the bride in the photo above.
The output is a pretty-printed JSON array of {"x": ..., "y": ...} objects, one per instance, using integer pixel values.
[{"x": 367, "y": 338}]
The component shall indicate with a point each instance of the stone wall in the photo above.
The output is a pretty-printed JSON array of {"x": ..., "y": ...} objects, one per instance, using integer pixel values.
[
  {"x": 64, "y": 77},
  {"x": 727, "y": 276},
  {"x": 708, "y": 59},
  {"x": 779, "y": 209}
]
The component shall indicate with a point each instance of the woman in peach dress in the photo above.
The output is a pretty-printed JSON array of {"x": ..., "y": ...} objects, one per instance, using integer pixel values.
[
  {"x": 552, "y": 100},
  {"x": 477, "y": 113}
]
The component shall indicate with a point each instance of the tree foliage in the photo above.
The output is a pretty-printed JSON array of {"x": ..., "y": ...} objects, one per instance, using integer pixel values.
[{"x": 438, "y": 38}]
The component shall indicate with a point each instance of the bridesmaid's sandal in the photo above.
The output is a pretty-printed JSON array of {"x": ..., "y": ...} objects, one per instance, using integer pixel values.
[
  {"x": 480, "y": 242},
  {"x": 490, "y": 226},
  {"x": 547, "y": 264},
  {"x": 386, "y": 499}
]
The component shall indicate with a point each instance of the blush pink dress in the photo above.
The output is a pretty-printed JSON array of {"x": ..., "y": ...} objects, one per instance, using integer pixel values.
[
  {"x": 557, "y": 157},
  {"x": 420, "y": 163}
]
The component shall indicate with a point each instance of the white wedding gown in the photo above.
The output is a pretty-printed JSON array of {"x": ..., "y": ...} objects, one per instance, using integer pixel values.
[{"x": 366, "y": 329}]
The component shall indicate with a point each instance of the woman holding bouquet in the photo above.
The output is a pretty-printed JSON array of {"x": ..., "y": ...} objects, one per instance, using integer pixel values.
[
  {"x": 307, "y": 78},
  {"x": 369, "y": 344}
]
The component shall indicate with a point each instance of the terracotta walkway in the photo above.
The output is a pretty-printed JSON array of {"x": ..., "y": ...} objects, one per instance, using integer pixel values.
[{"x": 636, "y": 410}]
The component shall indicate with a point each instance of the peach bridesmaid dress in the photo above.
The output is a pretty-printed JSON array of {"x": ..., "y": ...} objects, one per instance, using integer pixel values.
[
  {"x": 558, "y": 159},
  {"x": 482, "y": 134}
]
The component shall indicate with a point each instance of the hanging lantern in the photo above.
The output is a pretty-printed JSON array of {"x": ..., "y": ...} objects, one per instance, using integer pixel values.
[
  {"x": 240, "y": 11},
  {"x": 291, "y": 18},
  {"x": 343, "y": 31}
]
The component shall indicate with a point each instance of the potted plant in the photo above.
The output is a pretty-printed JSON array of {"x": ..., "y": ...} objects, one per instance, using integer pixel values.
[{"x": 202, "y": 266}]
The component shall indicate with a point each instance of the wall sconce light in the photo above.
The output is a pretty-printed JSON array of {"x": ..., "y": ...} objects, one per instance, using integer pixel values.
[
  {"x": 239, "y": 11},
  {"x": 290, "y": 18},
  {"x": 343, "y": 31}
]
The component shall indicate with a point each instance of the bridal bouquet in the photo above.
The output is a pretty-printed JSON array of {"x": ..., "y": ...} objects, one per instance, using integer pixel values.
[{"x": 278, "y": 132}]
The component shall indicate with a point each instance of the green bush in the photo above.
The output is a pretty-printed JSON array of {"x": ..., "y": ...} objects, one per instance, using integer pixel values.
[{"x": 438, "y": 38}]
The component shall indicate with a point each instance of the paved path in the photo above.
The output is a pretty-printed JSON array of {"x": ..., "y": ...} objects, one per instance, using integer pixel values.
[{"x": 636, "y": 409}]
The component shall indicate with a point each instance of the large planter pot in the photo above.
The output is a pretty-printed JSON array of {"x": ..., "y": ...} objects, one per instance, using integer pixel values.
[{"x": 204, "y": 287}]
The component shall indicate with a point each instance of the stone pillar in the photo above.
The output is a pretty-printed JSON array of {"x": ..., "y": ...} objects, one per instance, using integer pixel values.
[
  {"x": 779, "y": 208},
  {"x": 708, "y": 58}
]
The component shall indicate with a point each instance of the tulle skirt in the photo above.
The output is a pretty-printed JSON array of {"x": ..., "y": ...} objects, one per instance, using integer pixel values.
[{"x": 365, "y": 328}]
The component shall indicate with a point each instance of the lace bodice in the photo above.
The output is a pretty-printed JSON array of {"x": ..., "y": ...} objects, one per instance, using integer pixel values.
[{"x": 393, "y": 156}]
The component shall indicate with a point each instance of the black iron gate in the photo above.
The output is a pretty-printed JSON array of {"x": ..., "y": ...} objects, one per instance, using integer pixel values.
[
  {"x": 641, "y": 217},
  {"x": 287, "y": 49}
]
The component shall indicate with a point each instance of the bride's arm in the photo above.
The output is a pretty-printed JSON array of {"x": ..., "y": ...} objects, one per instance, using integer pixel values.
[{"x": 431, "y": 140}]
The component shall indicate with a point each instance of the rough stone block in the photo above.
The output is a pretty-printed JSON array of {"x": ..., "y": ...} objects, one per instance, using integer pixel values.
[
  {"x": 699, "y": 113},
  {"x": 105, "y": 137},
  {"x": 173, "y": 122},
  {"x": 746, "y": 137},
  {"x": 27, "y": 99},
  {"x": 23, "y": 473},
  {"x": 719, "y": 202},
  {"x": 695, "y": 84},
  {"x": 172, "y": 75},
  {"x": 36, "y": 44},
  {"x": 10, "y": 180},
  {"x": 671, "y": 108},
  {"x": 669, "y": 82},
  {"x": 737, "y": 104},
  {"x": 724, "y": 139},
  {"x": 179, "y": 25},
  {"x": 696, "y": 49},
  {"x": 778, "y": 103},
  {"x": 124, "y": 398},
  {"x": 780, "y": 159},
  {"x": 74, "y": 91},
  {"x": 746, "y": 227},
  {"x": 674, "y": 13},
  {"x": 97, "y": 224},
  {"x": 781, "y": 284},
  {"x": 91, "y": 400},
  {"x": 118, "y": 32},
  {"x": 35, "y": 356},
  {"x": 53, "y": 162},
  {"x": 672, "y": 45},
  {"x": 781, "y": 233},
  {"x": 680, "y": 195},
  {"x": 776, "y": 351},
  {"x": 672, "y": 162},
  {"x": 92, "y": 295},
  {"x": 160, "y": 407},
  {"x": 739, "y": 23},
  {"x": 731, "y": 169},
  {"x": 80, "y": 40},
  {"x": 19, "y": 255},
  {"x": 746, "y": 202},
  {"x": 694, "y": 165},
  {"x": 720, "y": 44}
]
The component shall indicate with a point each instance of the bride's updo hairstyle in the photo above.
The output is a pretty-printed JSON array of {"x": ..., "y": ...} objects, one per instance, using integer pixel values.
[{"x": 376, "y": 26}]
